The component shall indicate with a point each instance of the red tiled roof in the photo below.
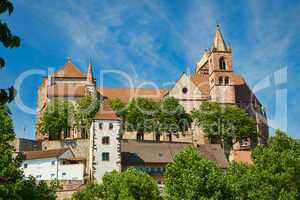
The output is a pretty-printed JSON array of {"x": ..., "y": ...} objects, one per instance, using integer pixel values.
[
  {"x": 69, "y": 70},
  {"x": 66, "y": 90},
  {"x": 201, "y": 81},
  {"x": 127, "y": 94},
  {"x": 31, "y": 155},
  {"x": 106, "y": 112}
]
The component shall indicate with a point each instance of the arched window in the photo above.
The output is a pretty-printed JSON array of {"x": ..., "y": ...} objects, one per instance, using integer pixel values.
[
  {"x": 222, "y": 63},
  {"x": 220, "y": 80},
  {"x": 226, "y": 80}
]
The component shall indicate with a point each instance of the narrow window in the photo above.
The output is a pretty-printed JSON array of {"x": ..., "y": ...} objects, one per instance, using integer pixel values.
[
  {"x": 25, "y": 165},
  {"x": 226, "y": 80},
  {"x": 221, "y": 80},
  {"x": 100, "y": 125},
  {"x": 53, "y": 162},
  {"x": 105, "y": 156},
  {"x": 111, "y": 126},
  {"x": 222, "y": 63},
  {"x": 105, "y": 140}
]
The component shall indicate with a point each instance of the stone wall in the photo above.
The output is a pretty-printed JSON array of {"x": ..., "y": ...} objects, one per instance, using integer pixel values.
[{"x": 22, "y": 144}]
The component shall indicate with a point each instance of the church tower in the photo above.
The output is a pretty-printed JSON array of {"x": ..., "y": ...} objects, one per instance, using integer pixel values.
[
  {"x": 90, "y": 82},
  {"x": 220, "y": 70}
]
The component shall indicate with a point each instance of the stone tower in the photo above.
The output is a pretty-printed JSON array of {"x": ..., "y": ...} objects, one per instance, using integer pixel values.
[
  {"x": 220, "y": 70},
  {"x": 90, "y": 82}
]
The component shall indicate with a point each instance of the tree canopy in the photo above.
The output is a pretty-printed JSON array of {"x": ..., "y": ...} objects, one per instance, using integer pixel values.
[
  {"x": 57, "y": 117},
  {"x": 132, "y": 184},
  {"x": 191, "y": 176},
  {"x": 146, "y": 115},
  {"x": 13, "y": 186},
  {"x": 226, "y": 123},
  {"x": 61, "y": 114},
  {"x": 85, "y": 109},
  {"x": 9, "y": 41},
  {"x": 274, "y": 174}
]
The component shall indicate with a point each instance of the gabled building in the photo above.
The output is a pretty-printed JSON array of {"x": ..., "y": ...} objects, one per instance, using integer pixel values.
[
  {"x": 213, "y": 80},
  {"x": 67, "y": 83},
  {"x": 54, "y": 165}
]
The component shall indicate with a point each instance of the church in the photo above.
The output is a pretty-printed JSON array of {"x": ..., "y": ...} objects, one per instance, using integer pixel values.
[{"x": 213, "y": 80}]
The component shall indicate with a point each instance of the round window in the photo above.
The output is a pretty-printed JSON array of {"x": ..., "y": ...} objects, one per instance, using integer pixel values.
[{"x": 184, "y": 90}]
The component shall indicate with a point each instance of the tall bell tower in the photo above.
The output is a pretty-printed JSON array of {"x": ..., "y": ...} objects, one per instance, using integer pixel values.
[{"x": 220, "y": 70}]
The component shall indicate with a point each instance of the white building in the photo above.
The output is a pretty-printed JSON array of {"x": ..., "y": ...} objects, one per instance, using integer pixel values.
[
  {"x": 105, "y": 143},
  {"x": 55, "y": 164}
]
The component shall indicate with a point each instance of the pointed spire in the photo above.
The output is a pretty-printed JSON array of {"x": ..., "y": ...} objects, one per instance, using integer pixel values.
[
  {"x": 89, "y": 76},
  {"x": 219, "y": 43}
]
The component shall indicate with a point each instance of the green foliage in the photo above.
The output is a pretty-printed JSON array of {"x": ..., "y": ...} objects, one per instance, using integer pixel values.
[
  {"x": 132, "y": 184},
  {"x": 85, "y": 109},
  {"x": 13, "y": 186},
  {"x": 9, "y": 41},
  {"x": 142, "y": 115},
  {"x": 120, "y": 108},
  {"x": 192, "y": 177},
  {"x": 146, "y": 115},
  {"x": 227, "y": 123},
  {"x": 90, "y": 192},
  {"x": 172, "y": 116},
  {"x": 57, "y": 117},
  {"x": 275, "y": 173}
]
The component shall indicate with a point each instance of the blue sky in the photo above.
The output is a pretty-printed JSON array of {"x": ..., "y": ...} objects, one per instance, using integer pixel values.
[{"x": 155, "y": 41}]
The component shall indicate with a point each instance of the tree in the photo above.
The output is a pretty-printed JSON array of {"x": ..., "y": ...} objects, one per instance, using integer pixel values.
[
  {"x": 191, "y": 176},
  {"x": 57, "y": 117},
  {"x": 132, "y": 184},
  {"x": 227, "y": 124},
  {"x": 9, "y": 41},
  {"x": 13, "y": 185},
  {"x": 142, "y": 116},
  {"x": 274, "y": 174},
  {"x": 145, "y": 115},
  {"x": 85, "y": 110},
  {"x": 172, "y": 117}
]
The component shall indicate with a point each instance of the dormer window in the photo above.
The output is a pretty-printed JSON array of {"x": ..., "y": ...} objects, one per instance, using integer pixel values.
[{"x": 222, "y": 63}]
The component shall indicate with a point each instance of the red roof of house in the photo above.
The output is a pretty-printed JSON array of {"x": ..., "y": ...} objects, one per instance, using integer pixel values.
[
  {"x": 69, "y": 70},
  {"x": 66, "y": 90},
  {"x": 31, "y": 155},
  {"x": 127, "y": 94},
  {"x": 201, "y": 81},
  {"x": 106, "y": 112}
]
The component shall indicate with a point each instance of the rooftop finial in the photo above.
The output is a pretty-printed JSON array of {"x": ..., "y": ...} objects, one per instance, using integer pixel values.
[
  {"x": 218, "y": 26},
  {"x": 69, "y": 59}
]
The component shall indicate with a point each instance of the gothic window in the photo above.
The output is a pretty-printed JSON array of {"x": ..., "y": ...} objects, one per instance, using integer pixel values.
[
  {"x": 221, "y": 80},
  {"x": 226, "y": 80},
  {"x": 222, "y": 63}
]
